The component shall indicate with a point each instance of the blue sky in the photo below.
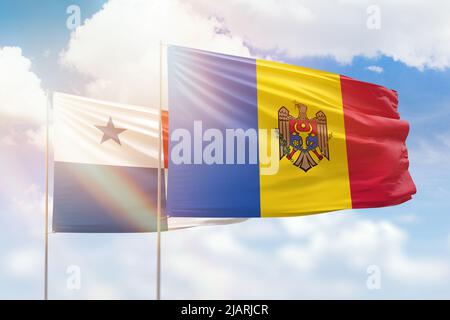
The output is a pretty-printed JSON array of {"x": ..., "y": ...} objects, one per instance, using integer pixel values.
[
  {"x": 415, "y": 235},
  {"x": 38, "y": 28}
]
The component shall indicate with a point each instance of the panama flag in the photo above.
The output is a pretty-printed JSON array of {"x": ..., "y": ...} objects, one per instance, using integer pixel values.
[
  {"x": 106, "y": 168},
  {"x": 255, "y": 138}
]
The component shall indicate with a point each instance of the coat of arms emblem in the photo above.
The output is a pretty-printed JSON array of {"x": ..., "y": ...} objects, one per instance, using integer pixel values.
[{"x": 303, "y": 140}]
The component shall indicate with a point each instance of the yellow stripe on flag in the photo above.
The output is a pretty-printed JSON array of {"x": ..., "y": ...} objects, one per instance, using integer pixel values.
[{"x": 325, "y": 186}]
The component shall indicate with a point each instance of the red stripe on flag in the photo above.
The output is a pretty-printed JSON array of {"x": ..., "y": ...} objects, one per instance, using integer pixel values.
[
  {"x": 376, "y": 151},
  {"x": 165, "y": 134}
]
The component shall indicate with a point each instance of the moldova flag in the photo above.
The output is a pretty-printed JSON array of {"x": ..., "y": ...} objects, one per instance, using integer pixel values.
[{"x": 254, "y": 138}]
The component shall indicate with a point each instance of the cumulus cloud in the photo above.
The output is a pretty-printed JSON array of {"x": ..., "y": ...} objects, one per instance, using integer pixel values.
[
  {"x": 119, "y": 47},
  {"x": 22, "y": 100},
  {"x": 340, "y": 28},
  {"x": 22, "y": 115},
  {"x": 308, "y": 257},
  {"x": 323, "y": 256},
  {"x": 359, "y": 243},
  {"x": 21, "y": 95}
]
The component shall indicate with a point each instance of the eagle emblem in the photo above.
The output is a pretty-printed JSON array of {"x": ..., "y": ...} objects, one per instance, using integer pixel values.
[{"x": 303, "y": 140}]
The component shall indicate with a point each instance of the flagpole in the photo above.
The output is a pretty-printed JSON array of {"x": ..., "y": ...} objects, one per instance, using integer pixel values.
[
  {"x": 49, "y": 97},
  {"x": 158, "y": 218}
]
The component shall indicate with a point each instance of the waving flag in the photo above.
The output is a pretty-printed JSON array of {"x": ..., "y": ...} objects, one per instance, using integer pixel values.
[
  {"x": 254, "y": 138},
  {"x": 106, "y": 166}
]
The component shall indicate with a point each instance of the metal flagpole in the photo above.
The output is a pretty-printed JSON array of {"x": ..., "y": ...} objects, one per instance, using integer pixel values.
[
  {"x": 49, "y": 97},
  {"x": 158, "y": 218}
]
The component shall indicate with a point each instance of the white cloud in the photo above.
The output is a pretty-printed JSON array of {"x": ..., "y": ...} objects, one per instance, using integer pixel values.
[
  {"x": 376, "y": 69},
  {"x": 359, "y": 243},
  {"x": 22, "y": 101},
  {"x": 23, "y": 263},
  {"x": 322, "y": 256},
  {"x": 21, "y": 95},
  {"x": 339, "y": 28},
  {"x": 119, "y": 47},
  {"x": 430, "y": 271},
  {"x": 37, "y": 136}
]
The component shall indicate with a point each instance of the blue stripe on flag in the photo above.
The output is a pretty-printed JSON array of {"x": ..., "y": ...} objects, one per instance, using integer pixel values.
[
  {"x": 219, "y": 91},
  {"x": 100, "y": 198}
]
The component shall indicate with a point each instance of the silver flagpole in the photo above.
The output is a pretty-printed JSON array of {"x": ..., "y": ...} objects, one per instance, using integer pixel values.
[
  {"x": 158, "y": 218},
  {"x": 49, "y": 97}
]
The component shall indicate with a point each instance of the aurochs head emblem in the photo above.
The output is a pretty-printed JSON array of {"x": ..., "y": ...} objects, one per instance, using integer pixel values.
[{"x": 303, "y": 140}]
